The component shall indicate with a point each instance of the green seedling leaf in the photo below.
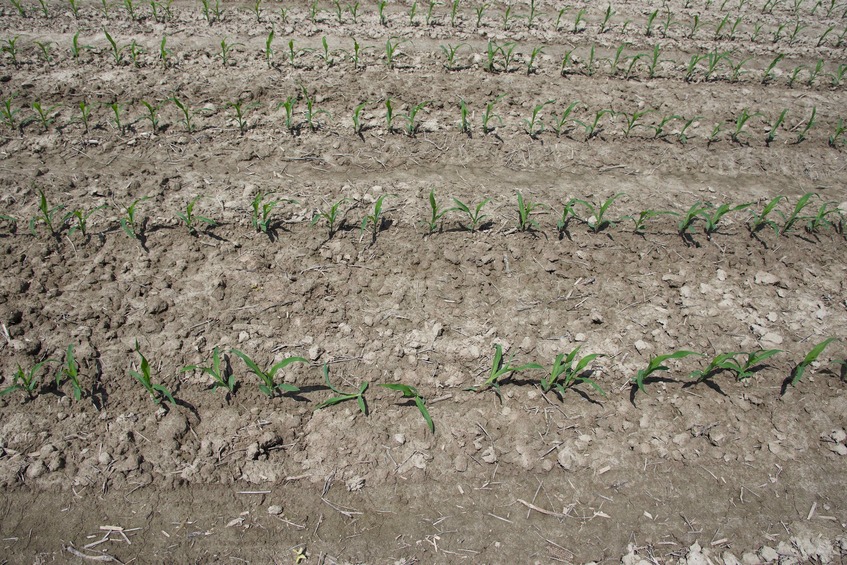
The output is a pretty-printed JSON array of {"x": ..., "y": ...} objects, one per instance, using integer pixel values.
[
  {"x": 656, "y": 364},
  {"x": 267, "y": 384},
  {"x": 412, "y": 392},
  {"x": 216, "y": 371},
  {"x": 810, "y": 358},
  {"x": 344, "y": 396}
]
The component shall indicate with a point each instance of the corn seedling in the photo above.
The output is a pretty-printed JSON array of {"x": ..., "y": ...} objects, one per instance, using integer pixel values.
[
  {"x": 713, "y": 59},
  {"x": 769, "y": 71},
  {"x": 266, "y": 378},
  {"x": 525, "y": 210},
  {"x": 774, "y": 126},
  {"x": 559, "y": 15},
  {"x": 164, "y": 52},
  {"x": 687, "y": 222},
  {"x": 836, "y": 138},
  {"x": 501, "y": 370},
  {"x": 135, "y": 51},
  {"x": 69, "y": 372},
  {"x": 358, "y": 126},
  {"x": 753, "y": 363},
  {"x": 632, "y": 120},
  {"x": 357, "y": 52},
  {"x": 413, "y": 10},
  {"x": 819, "y": 220},
  {"x": 450, "y": 52},
  {"x": 104, "y": 7},
  {"x": 715, "y": 135},
  {"x": 311, "y": 112},
  {"x": 640, "y": 222},
  {"x": 327, "y": 53},
  {"x": 26, "y": 381},
  {"x": 648, "y": 30},
  {"x": 46, "y": 215},
  {"x": 591, "y": 64},
  {"x": 187, "y": 114},
  {"x": 568, "y": 371},
  {"x": 559, "y": 122},
  {"x": 354, "y": 11},
  {"x": 84, "y": 114},
  {"x": 653, "y": 61},
  {"x": 44, "y": 116},
  {"x": 567, "y": 60},
  {"x": 152, "y": 114},
  {"x": 838, "y": 75},
  {"x": 657, "y": 364},
  {"x": 76, "y": 48},
  {"x": 798, "y": 27},
  {"x": 475, "y": 216},
  {"x": 313, "y": 12},
  {"x": 760, "y": 220},
  {"x": 157, "y": 392},
  {"x": 226, "y": 51},
  {"x": 695, "y": 25},
  {"x": 607, "y": 18},
  {"x": 269, "y": 51},
  {"x": 293, "y": 53},
  {"x": 479, "y": 10},
  {"x": 795, "y": 74},
  {"x": 810, "y": 123},
  {"x": 116, "y": 113},
  {"x": 810, "y": 358},
  {"x": 757, "y": 31},
  {"x": 19, "y": 7},
  {"x": 593, "y": 129},
  {"x": 790, "y": 220},
  {"x": 117, "y": 51},
  {"x": 413, "y": 394},
  {"x": 436, "y": 214},
  {"x": 74, "y": 8},
  {"x": 81, "y": 216},
  {"x": 454, "y": 12},
  {"x": 256, "y": 8},
  {"x": 331, "y": 217},
  {"x": 11, "y": 48},
  {"x": 659, "y": 129},
  {"x": 261, "y": 215},
  {"x": 736, "y": 68},
  {"x": 241, "y": 112},
  {"x": 507, "y": 15},
  {"x": 288, "y": 104},
  {"x": 464, "y": 124},
  {"x": 740, "y": 122},
  {"x": 597, "y": 220},
  {"x": 692, "y": 66},
  {"x": 381, "y": 11},
  {"x": 666, "y": 24},
  {"x": 359, "y": 396},
  {"x": 682, "y": 136},
  {"x": 814, "y": 72},
  {"x": 530, "y": 65},
  {"x": 488, "y": 114},
  {"x": 619, "y": 58},
  {"x": 533, "y": 125},
  {"x": 8, "y": 113},
  {"x": 375, "y": 218},
  {"x": 713, "y": 219},
  {"x": 130, "y": 9},
  {"x": 44, "y": 48},
  {"x": 128, "y": 221},
  {"x": 430, "y": 12},
  {"x": 411, "y": 118},
  {"x": 190, "y": 219},
  {"x": 44, "y": 11},
  {"x": 568, "y": 213},
  {"x": 579, "y": 21},
  {"x": 391, "y": 50}
]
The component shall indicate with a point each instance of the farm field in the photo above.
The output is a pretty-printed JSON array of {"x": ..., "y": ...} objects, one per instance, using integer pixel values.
[{"x": 299, "y": 282}]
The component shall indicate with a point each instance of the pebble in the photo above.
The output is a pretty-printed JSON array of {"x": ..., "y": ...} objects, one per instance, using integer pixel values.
[
  {"x": 275, "y": 510},
  {"x": 489, "y": 455}
]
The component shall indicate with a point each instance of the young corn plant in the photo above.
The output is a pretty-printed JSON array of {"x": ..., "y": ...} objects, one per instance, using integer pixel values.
[
  {"x": 435, "y": 221},
  {"x": 331, "y": 217},
  {"x": 69, "y": 372},
  {"x": 412, "y": 393},
  {"x": 117, "y": 51},
  {"x": 11, "y": 48},
  {"x": 216, "y": 370},
  {"x": 682, "y": 136},
  {"x": 501, "y": 369},
  {"x": 789, "y": 221},
  {"x": 158, "y": 392},
  {"x": 190, "y": 219},
  {"x": 489, "y": 114},
  {"x": 597, "y": 220},
  {"x": 27, "y": 381},
  {"x": 640, "y": 227},
  {"x": 754, "y": 362},
  {"x": 592, "y": 128},
  {"x": 9, "y": 114},
  {"x": 530, "y": 64},
  {"x": 811, "y": 357},
  {"x": 450, "y": 52},
  {"x": 568, "y": 371},
  {"x": 342, "y": 396},
  {"x": 656, "y": 364},
  {"x": 836, "y": 138},
  {"x": 717, "y": 365},
  {"x": 774, "y": 126},
  {"x": 631, "y": 120},
  {"x": 810, "y": 123},
  {"x": 129, "y": 223},
  {"x": 568, "y": 214},
  {"x": 375, "y": 218},
  {"x": 465, "y": 126},
  {"x": 475, "y": 215},
  {"x": 358, "y": 126},
  {"x": 392, "y": 46},
  {"x": 713, "y": 216},
  {"x": 260, "y": 217},
  {"x": 152, "y": 113},
  {"x": 819, "y": 221},
  {"x": 187, "y": 114},
  {"x": 311, "y": 112},
  {"x": 44, "y": 116},
  {"x": 560, "y": 121},
  {"x": 267, "y": 384},
  {"x": 241, "y": 111},
  {"x": 525, "y": 210},
  {"x": 81, "y": 216},
  {"x": 740, "y": 122},
  {"x": 533, "y": 125},
  {"x": 47, "y": 215},
  {"x": 685, "y": 224},
  {"x": 289, "y": 104},
  {"x": 659, "y": 128},
  {"x": 411, "y": 118},
  {"x": 226, "y": 52},
  {"x": 761, "y": 220},
  {"x": 117, "y": 109}
]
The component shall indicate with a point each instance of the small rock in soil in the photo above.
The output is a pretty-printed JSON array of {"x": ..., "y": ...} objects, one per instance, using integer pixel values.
[{"x": 275, "y": 510}]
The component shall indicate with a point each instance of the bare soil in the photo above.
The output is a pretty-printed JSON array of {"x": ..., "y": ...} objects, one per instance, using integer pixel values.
[{"x": 689, "y": 471}]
